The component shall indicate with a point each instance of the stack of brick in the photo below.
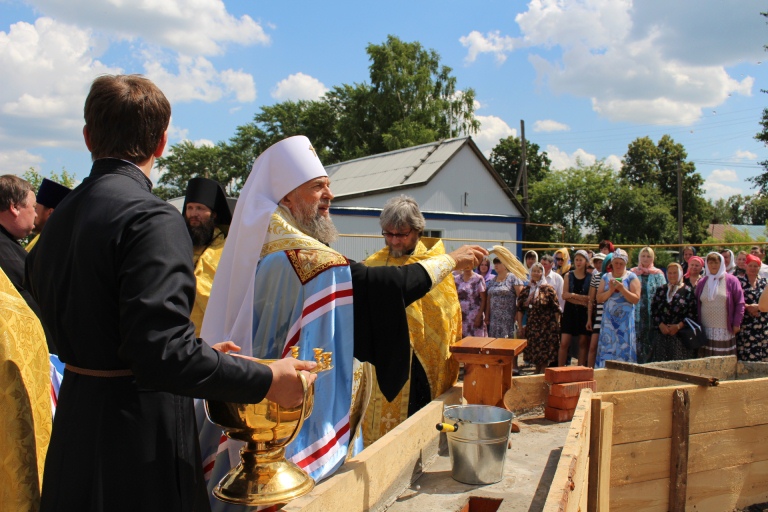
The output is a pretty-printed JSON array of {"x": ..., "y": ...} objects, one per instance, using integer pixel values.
[{"x": 565, "y": 385}]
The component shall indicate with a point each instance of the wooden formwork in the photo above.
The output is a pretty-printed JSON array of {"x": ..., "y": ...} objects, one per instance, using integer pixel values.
[{"x": 667, "y": 446}]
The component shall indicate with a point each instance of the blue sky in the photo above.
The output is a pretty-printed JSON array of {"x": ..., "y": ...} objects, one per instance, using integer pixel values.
[{"x": 587, "y": 76}]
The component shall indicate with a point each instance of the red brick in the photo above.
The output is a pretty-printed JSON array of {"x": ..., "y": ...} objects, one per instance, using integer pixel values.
[
  {"x": 559, "y": 402},
  {"x": 558, "y": 415},
  {"x": 563, "y": 374},
  {"x": 571, "y": 388}
]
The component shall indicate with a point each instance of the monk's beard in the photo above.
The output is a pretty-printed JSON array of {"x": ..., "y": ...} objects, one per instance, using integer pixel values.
[
  {"x": 202, "y": 234},
  {"x": 315, "y": 225}
]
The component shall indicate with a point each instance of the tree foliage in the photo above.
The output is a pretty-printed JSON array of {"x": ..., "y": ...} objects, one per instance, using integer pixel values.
[
  {"x": 411, "y": 99},
  {"x": 508, "y": 154},
  {"x": 35, "y": 178}
]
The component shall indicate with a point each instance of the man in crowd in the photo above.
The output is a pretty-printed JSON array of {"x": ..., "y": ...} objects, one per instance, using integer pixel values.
[
  {"x": 434, "y": 321},
  {"x": 205, "y": 209},
  {"x": 553, "y": 278},
  {"x": 49, "y": 195},
  {"x": 17, "y": 220},
  {"x": 113, "y": 274},
  {"x": 310, "y": 296}
]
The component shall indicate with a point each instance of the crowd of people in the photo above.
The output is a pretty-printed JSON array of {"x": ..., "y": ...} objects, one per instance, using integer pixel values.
[{"x": 596, "y": 306}]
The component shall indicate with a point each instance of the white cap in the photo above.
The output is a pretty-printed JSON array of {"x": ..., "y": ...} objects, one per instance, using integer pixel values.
[{"x": 280, "y": 169}]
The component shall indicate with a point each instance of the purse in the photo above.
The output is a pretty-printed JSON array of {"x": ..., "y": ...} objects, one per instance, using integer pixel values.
[{"x": 692, "y": 335}]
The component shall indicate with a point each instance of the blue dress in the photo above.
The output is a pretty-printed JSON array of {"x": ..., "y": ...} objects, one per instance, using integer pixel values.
[{"x": 617, "y": 330}]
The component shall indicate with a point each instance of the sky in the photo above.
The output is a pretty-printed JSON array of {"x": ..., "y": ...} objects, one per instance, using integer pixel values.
[{"x": 586, "y": 76}]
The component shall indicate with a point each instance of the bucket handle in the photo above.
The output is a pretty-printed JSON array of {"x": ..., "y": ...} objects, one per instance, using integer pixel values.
[{"x": 447, "y": 427}]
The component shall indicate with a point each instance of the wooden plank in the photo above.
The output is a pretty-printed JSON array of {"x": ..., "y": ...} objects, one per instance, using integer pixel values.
[
  {"x": 645, "y": 414},
  {"x": 482, "y": 359},
  {"x": 484, "y": 386},
  {"x": 505, "y": 347},
  {"x": 470, "y": 345},
  {"x": 724, "y": 488},
  {"x": 606, "y": 435},
  {"x": 569, "y": 481},
  {"x": 595, "y": 435},
  {"x": 649, "y": 460},
  {"x": 678, "y": 469},
  {"x": 691, "y": 378}
]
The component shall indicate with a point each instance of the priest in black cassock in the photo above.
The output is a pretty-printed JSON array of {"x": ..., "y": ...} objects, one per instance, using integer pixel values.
[{"x": 113, "y": 275}]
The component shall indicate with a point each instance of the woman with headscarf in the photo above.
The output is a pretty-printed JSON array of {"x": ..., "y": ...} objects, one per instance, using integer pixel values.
[
  {"x": 651, "y": 278},
  {"x": 721, "y": 307},
  {"x": 574, "y": 320},
  {"x": 752, "y": 339},
  {"x": 485, "y": 270},
  {"x": 729, "y": 259},
  {"x": 619, "y": 292},
  {"x": 471, "y": 289},
  {"x": 542, "y": 330},
  {"x": 695, "y": 271},
  {"x": 562, "y": 261},
  {"x": 530, "y": 258},
  {"x": 602, "y": 265},
  {"x": 670, "y": 307}
]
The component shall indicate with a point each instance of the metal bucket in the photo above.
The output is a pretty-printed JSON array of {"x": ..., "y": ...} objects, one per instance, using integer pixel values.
[{"x": 478, "y": 448}]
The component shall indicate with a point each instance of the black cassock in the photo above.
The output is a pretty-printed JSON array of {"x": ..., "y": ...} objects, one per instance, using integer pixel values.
[{"x": 112, "y": 273}]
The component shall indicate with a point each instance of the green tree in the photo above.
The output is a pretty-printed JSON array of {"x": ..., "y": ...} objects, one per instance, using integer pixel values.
[
  {"x": 35, "y": 178},
  {"x": 507, "y": 155},
  {"x": 573, "y": 198},
  {"x": 186, "y": 161},
  {"x": 655, "y": 167},
  {"x": 761, "y": 181}
]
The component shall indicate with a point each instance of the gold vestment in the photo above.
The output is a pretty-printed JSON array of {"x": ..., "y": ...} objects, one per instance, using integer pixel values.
[
  {"x": 25, "y": 401},
  {"x": 206, "y": 263},
  {"x": 434, "y": 323}
]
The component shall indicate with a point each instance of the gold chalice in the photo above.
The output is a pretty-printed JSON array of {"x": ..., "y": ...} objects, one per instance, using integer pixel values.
[{"x": 264, "y": 476}]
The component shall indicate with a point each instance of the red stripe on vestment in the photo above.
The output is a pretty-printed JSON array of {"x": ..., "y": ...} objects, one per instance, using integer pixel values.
[
  {"x": 309, "y": 459},
  {"x": 313, "y": 307}
]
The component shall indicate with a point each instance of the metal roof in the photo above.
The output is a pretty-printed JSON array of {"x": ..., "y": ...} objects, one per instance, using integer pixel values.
[{"x": 402, "y": 168}]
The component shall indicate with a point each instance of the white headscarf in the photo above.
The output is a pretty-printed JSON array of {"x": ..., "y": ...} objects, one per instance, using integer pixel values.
[
  {"x": 673, "y": 287},
  {"x": 534, "y": 286},
  {"x": 732, "y": 266},
  {"x": 278, "y": 170},
  {"x": 713, "y": 279}
]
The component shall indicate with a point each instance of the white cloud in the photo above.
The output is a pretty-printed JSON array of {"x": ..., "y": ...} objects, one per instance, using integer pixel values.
[
  {"x": 48, "y": 67},
  {"x": 492, "y": 42},
  {"x": 492, "y": 129},
  {"x": 18, "y": 161},
  {"x": 197, "y": 79},
  {"x": 299, "y": 87},
  {"x": 175, "y": 134},
  {"x": 744, "y": 155},
  {"x": 716, "y": 187},
  {"x": 198, "y": 27},
  {"x": 614, "y": 162},
  {"x": 548, "y": 125},
  {"x": 643, "y": 62},
  {"x": 562, "y": 160},
  {"x": 721, "y": 175}
]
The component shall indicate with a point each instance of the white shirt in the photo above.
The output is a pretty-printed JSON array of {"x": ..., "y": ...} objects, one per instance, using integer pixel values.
[
  {"x": 763, "y": 272},
  {"x": 556, "y": 281}
]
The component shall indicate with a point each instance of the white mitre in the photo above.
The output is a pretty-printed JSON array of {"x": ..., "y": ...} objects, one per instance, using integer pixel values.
[{"x": 278, "y": 170}]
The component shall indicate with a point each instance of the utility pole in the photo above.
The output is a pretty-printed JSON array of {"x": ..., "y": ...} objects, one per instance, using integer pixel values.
[
  {"x": 524, "y": 168},
  {"x": 679, "y": 206}
]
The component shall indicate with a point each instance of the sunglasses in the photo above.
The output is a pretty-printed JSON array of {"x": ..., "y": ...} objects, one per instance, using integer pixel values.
[{"x": 397, "y": 236}]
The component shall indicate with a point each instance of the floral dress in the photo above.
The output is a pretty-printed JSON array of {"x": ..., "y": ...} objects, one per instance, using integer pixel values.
[
  {"x": 617, "y": 329},
  {"x": 503, "y": 300},
  {"x": 682, "y": 306},
  {"x": 752, "y": 339},
  {"x": 542, "y": 329},
  {"x": 470, "y": 300}
]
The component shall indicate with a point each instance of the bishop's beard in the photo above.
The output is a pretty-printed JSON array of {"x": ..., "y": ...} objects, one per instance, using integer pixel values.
[
  {"x": 202, "y": 234},
  {"x": 315, "y": 225}
]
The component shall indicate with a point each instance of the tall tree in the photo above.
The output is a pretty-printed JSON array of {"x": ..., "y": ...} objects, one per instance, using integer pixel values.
[
  {"x": 35, "y": 178},
  {"x": 655, "y": 166},
  {"x": 186, "y": 161},
  {"x": 507, "y": 155}
]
